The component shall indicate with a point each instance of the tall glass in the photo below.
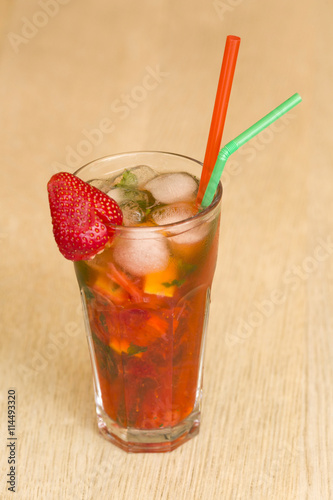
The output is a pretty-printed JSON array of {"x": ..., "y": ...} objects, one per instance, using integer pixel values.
[{"x": 146, "y": 330}]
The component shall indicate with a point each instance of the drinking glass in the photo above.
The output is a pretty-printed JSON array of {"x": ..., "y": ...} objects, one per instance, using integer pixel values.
[{"x": 145, "y": 328}]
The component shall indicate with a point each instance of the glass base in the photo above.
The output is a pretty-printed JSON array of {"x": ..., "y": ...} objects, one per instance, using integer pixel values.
[{"x": 148, "y": 441}]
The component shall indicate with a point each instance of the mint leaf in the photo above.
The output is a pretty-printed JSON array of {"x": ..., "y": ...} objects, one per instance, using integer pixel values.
[
  {"x": 105, "y": 358},
  {"x": 88, "y": 293},
  {"x": 135, "y": 349},
  {"x": 174, "y": 283},
  {"x": 103, "y": 322},
  {"x": 128, "y": 179},
  {"x": 186, "y": 267}
]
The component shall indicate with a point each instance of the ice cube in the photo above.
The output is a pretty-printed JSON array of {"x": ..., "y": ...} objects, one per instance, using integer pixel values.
[
  {"x": 189, "y": 233},
  {"x": 140, "y": 256},
  {"x": 117, "y": 194},
  {"x": 169, "y": 214},
  {"x": 134, "y": 177},
  {"x": 132, "y": 213},
  {"x": 101, "y": 184},
  {"x": 143, "y": 174},
  {"x": 170, "y": 188},
  {"x": 123, "y": 195}
]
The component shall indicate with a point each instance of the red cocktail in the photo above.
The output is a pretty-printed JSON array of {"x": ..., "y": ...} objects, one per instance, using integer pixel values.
[{"x": 146, "y": 299}]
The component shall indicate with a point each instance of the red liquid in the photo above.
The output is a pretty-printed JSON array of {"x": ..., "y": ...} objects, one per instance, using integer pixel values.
[{"x": 147, "y": 346}]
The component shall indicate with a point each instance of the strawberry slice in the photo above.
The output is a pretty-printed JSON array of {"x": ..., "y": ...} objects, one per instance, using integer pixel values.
[{"x": 83, "y": 217}]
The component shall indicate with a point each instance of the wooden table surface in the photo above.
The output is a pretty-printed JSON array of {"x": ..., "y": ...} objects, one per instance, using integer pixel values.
[{"x": 144, "y": 74}]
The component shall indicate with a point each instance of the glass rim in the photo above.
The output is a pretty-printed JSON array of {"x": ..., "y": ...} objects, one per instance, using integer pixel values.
[{"x": 195, "y": 218}]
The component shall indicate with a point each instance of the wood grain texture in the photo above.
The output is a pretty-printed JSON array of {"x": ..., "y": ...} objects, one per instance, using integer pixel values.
[{"x": 268, "y": 407}]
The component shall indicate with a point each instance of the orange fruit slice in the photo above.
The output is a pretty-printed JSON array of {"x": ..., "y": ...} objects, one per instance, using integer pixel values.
[{"x": 161, "y": 282}]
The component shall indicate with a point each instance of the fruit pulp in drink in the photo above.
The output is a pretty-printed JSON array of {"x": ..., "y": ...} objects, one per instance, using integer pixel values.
[{"x": 147, "y": 310}]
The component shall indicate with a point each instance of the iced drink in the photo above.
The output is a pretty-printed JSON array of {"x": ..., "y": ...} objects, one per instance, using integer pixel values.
[{"x": 146, "y": 297}]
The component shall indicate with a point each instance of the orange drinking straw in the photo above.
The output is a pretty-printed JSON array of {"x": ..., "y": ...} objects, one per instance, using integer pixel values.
[{"x": 219, "y": 112}]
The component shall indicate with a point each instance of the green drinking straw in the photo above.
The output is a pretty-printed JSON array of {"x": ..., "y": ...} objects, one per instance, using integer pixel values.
[{"x": 240, "y": 140}]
